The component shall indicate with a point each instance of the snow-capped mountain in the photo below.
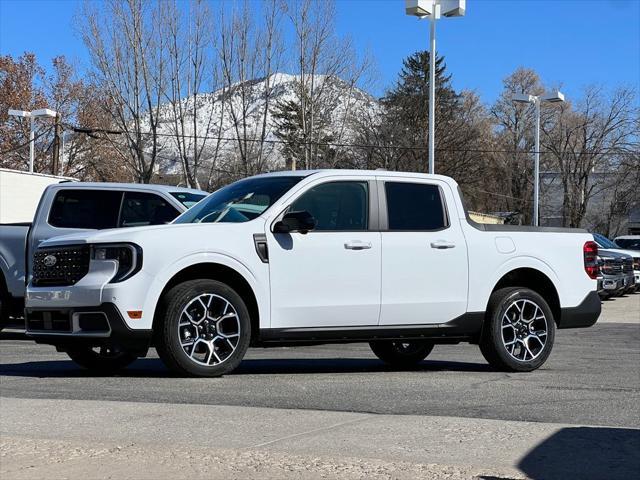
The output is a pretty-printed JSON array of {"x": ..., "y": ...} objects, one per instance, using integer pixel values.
[{"x": 246, "y": 110}]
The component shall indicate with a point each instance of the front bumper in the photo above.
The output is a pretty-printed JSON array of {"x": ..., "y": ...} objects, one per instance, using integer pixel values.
[
  {"x": 95, "y": 326},
  {"x": 584, "y": 315}
]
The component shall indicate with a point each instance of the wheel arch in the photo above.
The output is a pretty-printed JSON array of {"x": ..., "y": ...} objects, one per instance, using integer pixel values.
[
  {"x": 221, "y": 273},
  {"x": 535, "y": 280}
]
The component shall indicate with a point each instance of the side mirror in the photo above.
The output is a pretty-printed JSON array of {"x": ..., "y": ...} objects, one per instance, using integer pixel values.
[{"x": 301, "y": 222}]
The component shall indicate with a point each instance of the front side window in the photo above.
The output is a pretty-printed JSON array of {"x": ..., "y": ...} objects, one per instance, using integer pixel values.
[
  {"x": 87, "y": 209},
  {"x": 140, "y": 209},
  {"x": 241, "y": 201},
  {"x": 414, "y": 206},
  {"x": 336, "y": 205}
]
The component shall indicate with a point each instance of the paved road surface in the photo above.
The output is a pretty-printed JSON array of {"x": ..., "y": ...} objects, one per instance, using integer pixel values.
[{"x": 336, "y": 411}]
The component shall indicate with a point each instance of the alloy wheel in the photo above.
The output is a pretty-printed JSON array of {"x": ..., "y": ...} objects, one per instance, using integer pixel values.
[
  {"x": 209, "y": 329},
  {"x": 524, "y": 330}
]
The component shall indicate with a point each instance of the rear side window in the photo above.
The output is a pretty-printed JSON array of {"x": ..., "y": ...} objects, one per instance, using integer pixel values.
[
  {"x": 90, "y": 209},
  {"x": 414, "y": 206},
  {"x": 140, "y": 209}
]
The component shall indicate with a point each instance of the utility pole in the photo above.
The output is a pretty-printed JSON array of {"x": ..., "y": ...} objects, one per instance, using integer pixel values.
[{"x": 56, "y": 146}]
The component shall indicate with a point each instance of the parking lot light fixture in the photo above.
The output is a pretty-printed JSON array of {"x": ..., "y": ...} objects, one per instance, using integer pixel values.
[
  {"x": 551, "y": 97},
  {"x": 40, "y": 113},
  {"x": 433, "y": 9}
]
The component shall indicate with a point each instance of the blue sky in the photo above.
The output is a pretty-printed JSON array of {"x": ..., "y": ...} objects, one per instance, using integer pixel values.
[{"x": 572, "y": 43}]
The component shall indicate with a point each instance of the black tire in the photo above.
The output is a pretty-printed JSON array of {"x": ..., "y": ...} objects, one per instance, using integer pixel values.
[
  {"x": 4, "y": 304},
  {"x": 402, "y": 354},
  {"x": 493, "y": 343},
  {"x": 168, "y": 333},
  {"x": 105, "y": 360}
]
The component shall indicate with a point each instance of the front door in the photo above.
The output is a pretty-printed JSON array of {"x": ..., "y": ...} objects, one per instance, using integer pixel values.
[{"x": 329, "y": 276}]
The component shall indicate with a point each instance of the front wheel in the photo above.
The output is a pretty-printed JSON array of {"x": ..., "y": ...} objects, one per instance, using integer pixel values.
[
  {"x": 206, "y": 329},
  {"x": 519, "y": 330},
  {"x": 101, "y": 359},
  {"x": 401, "y": 354}
]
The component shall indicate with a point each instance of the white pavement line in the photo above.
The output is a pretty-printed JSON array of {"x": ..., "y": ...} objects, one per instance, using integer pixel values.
[{"x": 310, "y": 432}]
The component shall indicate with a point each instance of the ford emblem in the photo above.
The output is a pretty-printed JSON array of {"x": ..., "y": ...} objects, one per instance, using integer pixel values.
[{"x": 50, "y": 260}]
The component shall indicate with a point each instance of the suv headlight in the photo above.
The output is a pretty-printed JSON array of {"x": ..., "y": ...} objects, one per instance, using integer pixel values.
[{"x": 128, "y": 257}]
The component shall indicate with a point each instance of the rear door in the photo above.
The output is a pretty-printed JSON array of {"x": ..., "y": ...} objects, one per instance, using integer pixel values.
[{"x": 424, "y": 254}]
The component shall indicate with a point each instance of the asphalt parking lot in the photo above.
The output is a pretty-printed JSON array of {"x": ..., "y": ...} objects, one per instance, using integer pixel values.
[{"x": 591, "y": 380}]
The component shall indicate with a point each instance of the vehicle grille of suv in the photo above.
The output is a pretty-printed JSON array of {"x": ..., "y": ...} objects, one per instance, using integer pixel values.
[
  {"x": 627, "y": 265},
  {"x": 60, "y": 266},
  {"x": 612, "y": 266}
]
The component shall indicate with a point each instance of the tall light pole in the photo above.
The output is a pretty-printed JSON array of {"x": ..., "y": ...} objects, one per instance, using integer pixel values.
[
  {"x": 43, "y": 112},
  {"x": 537, "y": 101},
  {"x": 434, "y": 9}
]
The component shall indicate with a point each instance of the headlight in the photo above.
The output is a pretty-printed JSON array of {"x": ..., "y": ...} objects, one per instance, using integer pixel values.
[{"x": 127, "y": 255}]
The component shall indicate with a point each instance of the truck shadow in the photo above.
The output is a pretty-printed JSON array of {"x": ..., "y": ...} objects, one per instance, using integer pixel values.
[
  {"x": 151, "y": 367},
  {"x": 584, "y": 453}
]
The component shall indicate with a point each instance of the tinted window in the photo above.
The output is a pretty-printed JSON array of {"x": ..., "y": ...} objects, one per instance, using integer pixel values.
[
  {"x": 414, "y": 206},
  {"x": 139, "y": 209},
  {"x": 188, "y": 199},
  {"x": 629, "y": 243},
  {"x": 90, "y": 209},
  {"x": 241, "y": 201},
  {"x": 336, "y": 205}
]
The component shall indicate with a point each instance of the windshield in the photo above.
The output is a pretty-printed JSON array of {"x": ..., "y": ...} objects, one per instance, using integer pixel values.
[
  {"x": 241, "y": 201},
  {"x": 629, "y": 243},
  {"x": 188, "y": 199},
  {"x": 603, "y": 241}
]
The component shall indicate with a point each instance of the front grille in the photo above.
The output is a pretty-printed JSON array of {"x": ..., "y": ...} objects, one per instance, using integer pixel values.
[
  {"x": 627, "y": 265},
  {"x": 612, "y": 266},
  {"x": 60, "y": 266}
]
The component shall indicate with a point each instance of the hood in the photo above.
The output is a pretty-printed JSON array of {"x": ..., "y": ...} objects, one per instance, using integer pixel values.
[
  {"x": 631, "y": 253},
  {"x": 610, "y": 253},
  {"x": 110, "y": 235}
]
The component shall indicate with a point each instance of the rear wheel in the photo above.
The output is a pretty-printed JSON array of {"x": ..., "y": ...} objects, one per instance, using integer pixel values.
[
  {"x": 206, "y": 329},
  {"x": 519, "y": 330},
  {"x": 101, "y": 359},
  {"x": 4, "y": 305},
  {"x": 401, "y": 353}
]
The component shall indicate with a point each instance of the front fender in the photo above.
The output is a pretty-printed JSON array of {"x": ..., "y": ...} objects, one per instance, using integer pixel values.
[{"x": 256, "y": 281}]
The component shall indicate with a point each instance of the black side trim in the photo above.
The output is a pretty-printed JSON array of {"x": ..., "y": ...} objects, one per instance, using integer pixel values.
[
  {"x": 463, "y": 328},
  {"x": 582, "y": 316},
  {"x": 260, "y": 242}
]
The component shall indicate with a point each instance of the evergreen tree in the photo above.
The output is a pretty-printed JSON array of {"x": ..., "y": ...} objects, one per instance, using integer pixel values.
[
  {"x": 302, "y": 143},
  {"x": 410, "y": 97}
]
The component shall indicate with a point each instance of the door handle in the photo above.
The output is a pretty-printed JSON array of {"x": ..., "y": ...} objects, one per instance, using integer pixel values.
[
  {"x": 442, "y": 244},
  {"x": 357, "y": 245}
]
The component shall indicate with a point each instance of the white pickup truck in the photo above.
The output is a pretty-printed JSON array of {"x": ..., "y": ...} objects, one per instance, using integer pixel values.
[{"x": 313, "y": 257}]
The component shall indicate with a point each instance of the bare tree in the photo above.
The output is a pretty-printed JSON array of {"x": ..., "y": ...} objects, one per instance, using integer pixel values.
[
  {"x": 190, "y": 73},
  {"x": 329, "y": 71},
  {"x": 250, "y": 52},
  {"x": 514, "y": 141},
  {"x": 594, "y": 137},
  {"x": 129, "y": 51}
]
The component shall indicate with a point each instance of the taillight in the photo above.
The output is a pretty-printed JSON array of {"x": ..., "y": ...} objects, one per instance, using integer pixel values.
[{"x": 590, "y": 251}]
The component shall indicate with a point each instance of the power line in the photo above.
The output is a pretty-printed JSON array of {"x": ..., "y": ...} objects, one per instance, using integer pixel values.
[
  {"x": 26, "y": 144},
  {"x": 92, "y": 131}
]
